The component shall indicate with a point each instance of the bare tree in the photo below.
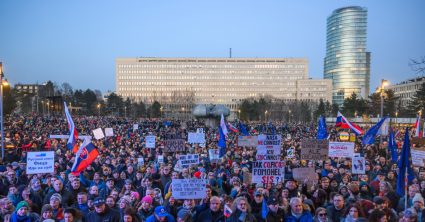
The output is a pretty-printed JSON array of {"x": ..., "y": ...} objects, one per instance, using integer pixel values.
[{"x": 418, "y": 65}]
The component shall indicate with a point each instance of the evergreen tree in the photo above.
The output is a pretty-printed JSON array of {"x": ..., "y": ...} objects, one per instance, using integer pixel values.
[{"x": 417, "y": 102}]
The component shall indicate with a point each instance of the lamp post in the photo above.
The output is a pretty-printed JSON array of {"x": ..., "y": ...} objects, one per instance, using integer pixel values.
[
  {"x": 289, "y": 119},
  {"x": 265, "y": 116},
  {"x": 396, "y": 118},
  {"x": 239, "y": 114},
  {"x": 383, "y": 84},
  {"x": 161, "y": 109},
  {"x": 98, "y": 109},
  {"x": 5, "y": 83},
  {"x": 48, "y": 108}
]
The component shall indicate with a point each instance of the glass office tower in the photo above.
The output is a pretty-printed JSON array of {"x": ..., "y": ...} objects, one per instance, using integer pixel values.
[{"x": 347, "y": 63}]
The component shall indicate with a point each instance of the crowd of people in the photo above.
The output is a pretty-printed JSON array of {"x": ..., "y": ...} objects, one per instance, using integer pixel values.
[{"x": 116, "y": 187}]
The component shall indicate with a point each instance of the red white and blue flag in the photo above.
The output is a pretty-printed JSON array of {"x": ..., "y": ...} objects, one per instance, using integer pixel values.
[
  {"x": 343, "y": 122},
  {"x": 418, "y": 126},
  {"x": 232, "y": 128},
  {"x": 227, "y": 211},
  {"x": 223, "y": 125},
  {"x": 86, "y": 154},
  {"x": 73, "y": 134}
]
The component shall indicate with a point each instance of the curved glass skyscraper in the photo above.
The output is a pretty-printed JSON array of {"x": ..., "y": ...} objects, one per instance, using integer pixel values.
[{"x": 347, "y": 63}]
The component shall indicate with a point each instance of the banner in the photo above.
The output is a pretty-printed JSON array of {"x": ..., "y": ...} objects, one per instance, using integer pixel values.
[
  {"x": 160, "y": 159},
  {"x": 290, "y": 153},
  {"x": 264, "y": 172},
  {"x": 150, "y": 141},
  {"x": 196, "y": 138},
  {"x": 341, "y": 149},
  {"x": 313, "y": 149},
  {"x": 214, "y": 155},
  {"x": 109, "y": 132},
  {"x": 189, "y": 159},
  {"x": 174, "y": 145},
  {"x": 189, "y": 188},
  {"x": 247, "y": 141},
  {"x": 418, "y": 156},
  {"x": 135, "y": 127},
  {"x": 40, "y": 162},
  {"x": 359, "y": 165}
]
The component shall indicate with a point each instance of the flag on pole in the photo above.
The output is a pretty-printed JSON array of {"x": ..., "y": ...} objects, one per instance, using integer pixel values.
[
  {"x": 73, "y": 134},
  {"x": 221, "y": 142},
  {"x": 227, "y": 211},
  {"x": 86, "y": 154},
  {"x": 342, "y": 122},
  {"x": 392, "y": 146},
  {"x": 232, "y": 128},
  {"x": 243, "y": 129},
  {"x": 369, "y": 137},
  {"x": 322, "y": 132},
  {"x": 223, "y": 125},
  {"x": 418, "y": 125},
  {"x": 404, "y": 166},
  {"x": 264, "y": 209}
]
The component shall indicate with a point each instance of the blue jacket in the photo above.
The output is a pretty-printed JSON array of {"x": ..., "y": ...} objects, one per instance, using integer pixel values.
[{"x": 305, "y": 217}]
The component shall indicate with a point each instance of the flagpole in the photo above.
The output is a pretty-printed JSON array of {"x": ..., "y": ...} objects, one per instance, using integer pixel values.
[{"x": 405, "y": 188}]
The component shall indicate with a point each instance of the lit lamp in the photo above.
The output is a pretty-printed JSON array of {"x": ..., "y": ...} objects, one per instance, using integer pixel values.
[
  {"x": 265, "y": 116},
  {"x": 383, "y": 84},
  {"x": 98, "y": 109}
]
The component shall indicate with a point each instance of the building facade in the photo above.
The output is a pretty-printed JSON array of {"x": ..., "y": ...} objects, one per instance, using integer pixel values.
[
  {"x": 347, "y": 63},
  {"x": 177, "y": 81},
  {"x": 405, "y": 90}
]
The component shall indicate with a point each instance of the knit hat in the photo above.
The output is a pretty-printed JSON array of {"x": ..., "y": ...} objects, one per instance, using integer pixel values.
[
  {"x": 184, "y": 214},
  {"x": 21, "y": 204},
  {"x": 45, "y": 208},
  {"x": 56, "y": 196},
  {"x": 147, "y": 199},
  {"x": 197, "y": 174},
  {"x": 135, "y": 194},
  {"x": 418, "y": 198}
]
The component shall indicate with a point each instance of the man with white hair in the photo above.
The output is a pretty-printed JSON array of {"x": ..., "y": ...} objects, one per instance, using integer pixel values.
[
  {"x": 418, "y": 206},
  {"x": 297, "y": 212}
]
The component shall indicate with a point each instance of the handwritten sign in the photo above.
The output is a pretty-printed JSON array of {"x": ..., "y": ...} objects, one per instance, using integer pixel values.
[
  {"x": 214, "y": 155},
  {"x": 150, "y": 141},
  {"x": 247, "y": 141},
  {"x": 189, "y": 188},
  {"x": 98, "y": 134},
  {"x": 305, "y": 173},
  {"x": 160, "y": 159},
  {"x": 140, "y": 161},
  {"x": 313, "y": 149},
  {"x": 189, "y": 159},
  {"x": 196, "y": 138},
  {"x": 418, "y": 156},
  {"x": 264, "y": 172},
  {"x": 269, "y": 144},
  {"x": 341, "y": 149},
  {"x": 359, "y": 165},
  {"x": 109, "y": 132},
  {"x": 40, "y": 162},
  {"x": 135, "y": 127},
  {"x": 174, "y": 145}
]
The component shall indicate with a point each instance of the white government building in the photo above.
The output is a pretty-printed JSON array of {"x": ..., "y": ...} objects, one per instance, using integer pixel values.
[
  {"x": 405, "y": 90},
  {"x": 217, "y": 80}
]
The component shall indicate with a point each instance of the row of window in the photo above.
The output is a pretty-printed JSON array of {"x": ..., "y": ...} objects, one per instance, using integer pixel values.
[
  {"x": 205, "y": 84},
  {"x": 246, "y": 77},
  {"x": 224, "y": 66}
]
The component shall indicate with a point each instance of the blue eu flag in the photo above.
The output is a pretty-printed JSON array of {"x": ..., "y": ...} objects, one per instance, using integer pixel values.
[
  {"x": 221, "y": 143},
  {"x": 392, "y": 146},
  {"x": 369, "y": 137},
  {"x": 405, "y": 163},
  {"x": 322, "y": 132}
]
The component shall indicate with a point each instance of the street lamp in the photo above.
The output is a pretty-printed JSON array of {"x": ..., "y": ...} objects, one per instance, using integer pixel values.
[
  {"x": 48, "y": 108},
  {"x": 239, "y": 114},
  {"x": 161, "y": 109},
  {"x": 383, "y": 84},
  {"x": 98, "y": 109},
  {"x": 3, "y": 83},
  {"x": 289, "y": 119},
  {"x": 265, "y": 116},
  {"x": 396, "y": 118}
]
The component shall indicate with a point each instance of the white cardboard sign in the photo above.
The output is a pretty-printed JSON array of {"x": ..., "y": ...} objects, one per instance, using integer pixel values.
[
  {"x": 109, "y": 132},
  {"x": 98, "y": 134},
  {"x": 359, "y": 165},
  {"x": 196, "y": 138},
  {"x": 189, "y": 188},
  {"x": 150, "y": 141},
  {"x": 40, "y": 162},
  {"x": 189, "y": 159},
  {"x": 341, "y": 149}
]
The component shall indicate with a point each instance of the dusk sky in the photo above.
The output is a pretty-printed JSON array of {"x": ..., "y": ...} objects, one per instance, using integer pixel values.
[{"x": 78, "y": 41}]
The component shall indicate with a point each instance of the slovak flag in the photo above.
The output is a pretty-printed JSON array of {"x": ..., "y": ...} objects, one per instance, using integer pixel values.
[
  {"x": 73, "y": 134},
  {"x": 232, "y": 128},
  {"x": 227, "y": 211},
  {"x": 342, "y": 122},
  {"x": 86, "y": 154},
  {"x": 418, "y": 126}
]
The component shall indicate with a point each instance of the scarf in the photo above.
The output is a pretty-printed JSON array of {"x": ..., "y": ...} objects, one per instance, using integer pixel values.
[{"x": 16, "y": 218}]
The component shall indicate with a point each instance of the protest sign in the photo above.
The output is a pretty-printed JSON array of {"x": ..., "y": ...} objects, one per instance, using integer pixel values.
[
  {"x": 174, "y": 145},
  {"x": 109, "y": 132},
  {"x": 40, "y": 162},
  {"x": 160, "y": 159},
  {"x": 150, "y": 141},
  {"x": 135, "y": 127},
  {"x": 418, "y": 156},
  {"x": 196, "y": 138},
  {"x": 359, "y": 165},
  {"x": 313, "y": 149},
  {"x": 268, "y": 172},
  {"x": 189, "y": 188},
  {"x": 303, "y": 173},
  {"x": 98, "y": 134},
  {"x": 189, "y": 159},
  {"x": 247, "y": 141},
  {"x": 200, "y": 130},
  {"x": 290, "y": 153},
  {"x": 214, "y": 155},
  {"x": 344, "y": 136},
  {"x": 341, "y": 149},
  {"x": 269, "y": 144},
  {"x": 140, "y": 161}
]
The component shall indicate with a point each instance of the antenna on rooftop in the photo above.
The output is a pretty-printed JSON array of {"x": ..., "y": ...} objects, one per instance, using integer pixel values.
[{"x": 230, "y": 51}]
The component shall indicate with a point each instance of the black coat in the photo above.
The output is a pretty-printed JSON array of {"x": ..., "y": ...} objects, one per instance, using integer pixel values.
[
  {"x": 109, "y": 216},
  {"x": 234, "y": 217},
  {"x": 209, "y": 216}
]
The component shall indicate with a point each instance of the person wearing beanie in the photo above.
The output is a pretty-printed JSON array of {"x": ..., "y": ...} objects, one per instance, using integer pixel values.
[
  {"x": 418, "y": 206},
  {"x": 146, "y": 209},
  {"x": 22, "y": 214},
  {"x": 184, "y": 215},
  {"x": 55, "y": 203}
]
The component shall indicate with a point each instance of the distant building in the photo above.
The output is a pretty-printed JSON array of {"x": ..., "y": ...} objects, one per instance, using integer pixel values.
[
  {"x": 347, "y": 63},
  {"x": 217, "y": 80},
  {"x": 30, "y": 89},
  {"x": 405, "y": 90}
]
